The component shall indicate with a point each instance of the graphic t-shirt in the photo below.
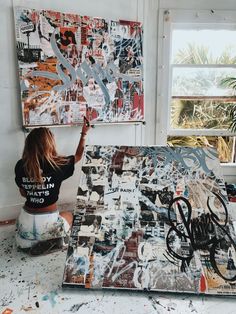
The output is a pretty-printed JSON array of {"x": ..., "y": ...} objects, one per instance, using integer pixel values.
[{"x": 45, "y": 193}]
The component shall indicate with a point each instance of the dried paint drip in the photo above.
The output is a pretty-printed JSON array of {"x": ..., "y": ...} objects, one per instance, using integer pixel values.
[
  {"x": 51, "y": 297},
  {"x": 154, "y": 303},
  {"x": 192, "y": 307},
  {"x": 75, "y": 308}
]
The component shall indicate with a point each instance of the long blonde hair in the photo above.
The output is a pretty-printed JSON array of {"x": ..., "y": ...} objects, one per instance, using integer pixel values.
[{"x": 40, "y": 148}]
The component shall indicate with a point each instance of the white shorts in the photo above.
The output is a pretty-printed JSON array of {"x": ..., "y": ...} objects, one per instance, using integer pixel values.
[{"x": 32, "y": 228}]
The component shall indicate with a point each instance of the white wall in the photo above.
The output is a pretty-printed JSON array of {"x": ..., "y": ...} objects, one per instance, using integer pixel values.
[{"x": 11, "y": 133}]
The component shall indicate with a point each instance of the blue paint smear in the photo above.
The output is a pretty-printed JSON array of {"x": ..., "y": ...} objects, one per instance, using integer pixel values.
[{"x": 51, "y": 297}]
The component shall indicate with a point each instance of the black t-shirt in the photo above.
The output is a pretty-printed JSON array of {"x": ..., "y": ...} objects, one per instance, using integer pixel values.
[{"x": 45, "y": 193}]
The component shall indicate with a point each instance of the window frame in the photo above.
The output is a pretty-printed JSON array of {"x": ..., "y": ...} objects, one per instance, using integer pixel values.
[{"x": 170, "y": 20}]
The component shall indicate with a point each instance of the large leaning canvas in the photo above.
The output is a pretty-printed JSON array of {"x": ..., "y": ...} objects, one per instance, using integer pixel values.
[
  {"x": 152, "y": 218},
  {"x": 72, "y": 65}
]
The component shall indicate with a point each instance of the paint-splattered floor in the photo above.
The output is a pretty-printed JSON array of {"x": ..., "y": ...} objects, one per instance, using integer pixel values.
[{"x": 33, "y": 285}]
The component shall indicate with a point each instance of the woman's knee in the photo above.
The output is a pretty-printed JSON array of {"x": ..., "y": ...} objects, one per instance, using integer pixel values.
[{"x": 68, "y": 216}]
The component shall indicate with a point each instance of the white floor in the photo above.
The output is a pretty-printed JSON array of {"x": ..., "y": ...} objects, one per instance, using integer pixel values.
[{"x": 33, "y": 285}]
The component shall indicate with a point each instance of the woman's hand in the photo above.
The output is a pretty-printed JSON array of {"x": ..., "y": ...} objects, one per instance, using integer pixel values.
[
  {"x": 86, "y": 126},
  {"x": 80, "y": 149}
]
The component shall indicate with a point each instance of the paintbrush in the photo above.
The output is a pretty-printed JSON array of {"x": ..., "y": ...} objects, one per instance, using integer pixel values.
[{"x": 88, "y": 123}]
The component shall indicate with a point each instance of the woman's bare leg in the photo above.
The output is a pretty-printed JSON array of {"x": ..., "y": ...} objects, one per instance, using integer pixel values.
[{"x": 68, "y": 216}]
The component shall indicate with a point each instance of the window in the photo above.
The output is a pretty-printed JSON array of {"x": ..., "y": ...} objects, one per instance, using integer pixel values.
[{"x": 196, "y": 56}]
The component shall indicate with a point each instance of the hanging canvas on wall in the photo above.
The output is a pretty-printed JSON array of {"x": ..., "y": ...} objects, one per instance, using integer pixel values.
[
  {"x": 152, "y": 218},
  {"x": 72, "y": 65}
]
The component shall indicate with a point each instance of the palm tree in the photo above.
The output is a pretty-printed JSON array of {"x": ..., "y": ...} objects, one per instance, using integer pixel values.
[
  {"x": 198, "y": 54},
  {"x": 231, "y": 82}
]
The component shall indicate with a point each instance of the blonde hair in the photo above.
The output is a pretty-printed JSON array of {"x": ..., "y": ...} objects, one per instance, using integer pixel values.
[{"x": 40, "y": 148}]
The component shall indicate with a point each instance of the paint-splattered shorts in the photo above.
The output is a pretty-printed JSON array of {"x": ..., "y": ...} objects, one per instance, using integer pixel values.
[{"x": 32, "y": 228}]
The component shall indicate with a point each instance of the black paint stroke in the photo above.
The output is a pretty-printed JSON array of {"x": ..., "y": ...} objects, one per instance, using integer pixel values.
[{"x": 199, "y": 232}]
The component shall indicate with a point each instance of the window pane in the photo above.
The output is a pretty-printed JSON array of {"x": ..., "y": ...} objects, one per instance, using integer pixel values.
[
  {"x": 202, "y": 46},
  {"x": 224, "y": 145},
  {"x": 200, "y": 114},
  {"x": 201, "y": 81},
  {"x": 199, "y": 97}
]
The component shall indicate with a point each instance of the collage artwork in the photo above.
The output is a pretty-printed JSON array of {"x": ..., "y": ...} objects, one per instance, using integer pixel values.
[
  {"x": 72, "y": 65},
  {"x": 152, "y": 218}
]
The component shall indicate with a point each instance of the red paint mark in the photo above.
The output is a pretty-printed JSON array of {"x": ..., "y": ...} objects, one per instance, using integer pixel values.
[
  {"x": 202, "y": 283},
  {"x": 7, "y": 311}
]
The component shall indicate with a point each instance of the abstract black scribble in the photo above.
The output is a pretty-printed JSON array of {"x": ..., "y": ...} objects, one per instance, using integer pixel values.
[{"x": 207, "y": 232}]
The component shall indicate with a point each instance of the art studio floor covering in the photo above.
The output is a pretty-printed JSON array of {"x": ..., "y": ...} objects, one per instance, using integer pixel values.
[{"x": 33, "y": 285}]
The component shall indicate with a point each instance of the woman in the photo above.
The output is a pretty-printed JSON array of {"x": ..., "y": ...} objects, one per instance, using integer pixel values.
[{"x": 39, "y": 175}]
